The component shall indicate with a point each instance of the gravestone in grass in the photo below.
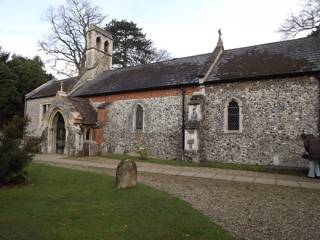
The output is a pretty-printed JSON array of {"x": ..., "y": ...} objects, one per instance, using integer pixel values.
[{"x": 126, "y": 175}]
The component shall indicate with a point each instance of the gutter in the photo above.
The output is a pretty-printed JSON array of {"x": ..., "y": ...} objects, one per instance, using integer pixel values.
[{"x": 262, "y": 77}]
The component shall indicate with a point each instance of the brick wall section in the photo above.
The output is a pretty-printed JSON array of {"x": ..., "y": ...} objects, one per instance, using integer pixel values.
[
  {"x": 143, "y": 95},
  {"x": 160, "y": 105},
  {"x": 102, "y": 114},
  {"x": 102, "y": 119}
]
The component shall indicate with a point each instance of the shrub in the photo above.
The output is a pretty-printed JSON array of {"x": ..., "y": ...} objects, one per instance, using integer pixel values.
[
  {"x": 143, "y": 155},
  {"x": 16, "y": 151}
]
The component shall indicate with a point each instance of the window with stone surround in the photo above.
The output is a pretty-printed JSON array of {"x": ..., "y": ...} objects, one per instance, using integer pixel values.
[
  {"x": 233, "y": 117},
  {"x": 139, "y": 118},
  {"x": 44, "y": 109}
]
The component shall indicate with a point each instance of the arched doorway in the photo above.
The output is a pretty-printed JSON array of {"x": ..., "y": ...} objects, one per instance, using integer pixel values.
[{"x": 59, "y": 133}]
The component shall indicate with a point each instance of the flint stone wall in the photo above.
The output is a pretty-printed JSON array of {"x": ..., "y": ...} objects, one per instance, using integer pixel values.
[
  {"x": 275, "y": 112},
  {"x": 34, "y": 113},
  {"x": 162, "y": 134}
]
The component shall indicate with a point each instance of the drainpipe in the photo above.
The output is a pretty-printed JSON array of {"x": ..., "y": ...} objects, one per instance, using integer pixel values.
[{"x": 183, "y": 93}]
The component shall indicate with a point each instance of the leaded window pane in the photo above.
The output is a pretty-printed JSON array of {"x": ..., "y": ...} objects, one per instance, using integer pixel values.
[
  {"x": 139, "y": 118},
  {"x": 233, "y": 116}
]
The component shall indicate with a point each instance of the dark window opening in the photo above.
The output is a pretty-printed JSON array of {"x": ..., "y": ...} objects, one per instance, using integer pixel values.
[
  {"x": 233, "y": 116},
  {"x": 88, "y": 134},
  {"x": 139, "y": 118},
  {"x": 98, "y": 42},
  {"x": 44, "y": 109},
  {"x": 61, "y": 134},
  {"x": 106, "y": 44}
]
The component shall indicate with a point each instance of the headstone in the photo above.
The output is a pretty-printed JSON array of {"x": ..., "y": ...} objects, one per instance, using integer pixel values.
[{"x": 126, "y": 175}]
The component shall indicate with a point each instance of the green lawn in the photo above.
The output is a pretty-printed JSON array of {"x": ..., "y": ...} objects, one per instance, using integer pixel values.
[
  {"x": 221, "y": 165},
  {"x": 69, "y": 204}
]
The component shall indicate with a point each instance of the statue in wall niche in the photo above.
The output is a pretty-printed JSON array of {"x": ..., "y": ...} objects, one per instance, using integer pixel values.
[
  {"x": 194, "y": 114},
  {"x": 126, "y": 174}
]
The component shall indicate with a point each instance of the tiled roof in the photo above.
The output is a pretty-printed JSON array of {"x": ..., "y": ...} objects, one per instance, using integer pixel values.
[
  {"x": 50, "y": 88},
  {"x": 176, "y": 72},
  {"x": 290, "y": 57},
  {"x": 265, "y": 60},
  {"x": 86, "y": 110}
]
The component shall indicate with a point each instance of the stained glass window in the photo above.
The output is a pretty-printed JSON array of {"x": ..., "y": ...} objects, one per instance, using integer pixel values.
[{"x": 233, "y": 116}]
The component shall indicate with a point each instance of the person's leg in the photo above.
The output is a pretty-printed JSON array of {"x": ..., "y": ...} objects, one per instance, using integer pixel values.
[
  {"x": 317, "y": 169},
  {"x": 311, "y": 173}
]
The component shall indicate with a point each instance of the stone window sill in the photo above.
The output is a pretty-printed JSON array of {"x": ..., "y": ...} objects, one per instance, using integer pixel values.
[{"x": 233, "y": 131}]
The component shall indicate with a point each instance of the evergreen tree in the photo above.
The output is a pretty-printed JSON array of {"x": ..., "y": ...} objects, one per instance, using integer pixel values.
[
  {"x": 18, "y": 76},
  {"x": 131, "y": 46},
  {"x": 16, "y": 151},
  {"x": 10, "y": 101}
]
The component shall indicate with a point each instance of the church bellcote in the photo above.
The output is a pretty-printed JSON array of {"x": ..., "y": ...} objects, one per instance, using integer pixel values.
[{"x": 98, "y": 51}]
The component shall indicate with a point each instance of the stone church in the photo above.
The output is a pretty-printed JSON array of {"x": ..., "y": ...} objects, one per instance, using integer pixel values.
[{"x": 243, "y": 105}]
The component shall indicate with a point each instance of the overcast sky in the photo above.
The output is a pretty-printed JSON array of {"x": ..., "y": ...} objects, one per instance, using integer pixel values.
[{"x": 183, "y": 27}]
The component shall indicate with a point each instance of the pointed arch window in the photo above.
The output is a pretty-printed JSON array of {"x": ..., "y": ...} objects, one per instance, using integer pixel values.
[
  {"x": 139, "y": 118},
  {"x": 233, "y": 116}
]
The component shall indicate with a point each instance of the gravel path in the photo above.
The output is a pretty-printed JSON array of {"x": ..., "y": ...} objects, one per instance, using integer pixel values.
[{"x": 251, "y": 211}]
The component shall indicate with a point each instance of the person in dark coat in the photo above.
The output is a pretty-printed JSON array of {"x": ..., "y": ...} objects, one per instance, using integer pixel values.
[{"x": 312, "y": 147}]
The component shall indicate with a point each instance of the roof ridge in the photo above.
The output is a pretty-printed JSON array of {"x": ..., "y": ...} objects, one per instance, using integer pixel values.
[
  {"x": 64, "y": 79},
  {"x": 149, "y": 64},
  {"x": 270, "y": 43},
  {"x": 77, "y": 98}
]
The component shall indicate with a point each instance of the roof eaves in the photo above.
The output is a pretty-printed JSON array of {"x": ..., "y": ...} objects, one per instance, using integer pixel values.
[
  {"x": 263, "y": 77},
  {"x": 139, "y": 90},
  {"x": 29, "y": 95}
]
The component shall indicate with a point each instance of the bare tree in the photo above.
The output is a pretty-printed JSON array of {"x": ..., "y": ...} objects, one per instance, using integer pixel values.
[
  {"x": 307, "y": 20},
  {"x": 66, "y": 43},
  {"x": 157, "y": 55}
]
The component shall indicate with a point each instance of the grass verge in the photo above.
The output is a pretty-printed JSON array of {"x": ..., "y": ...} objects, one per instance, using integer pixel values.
[
  {"x": 221, "y": 165},
  {"x": 69, "y": 204}
]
